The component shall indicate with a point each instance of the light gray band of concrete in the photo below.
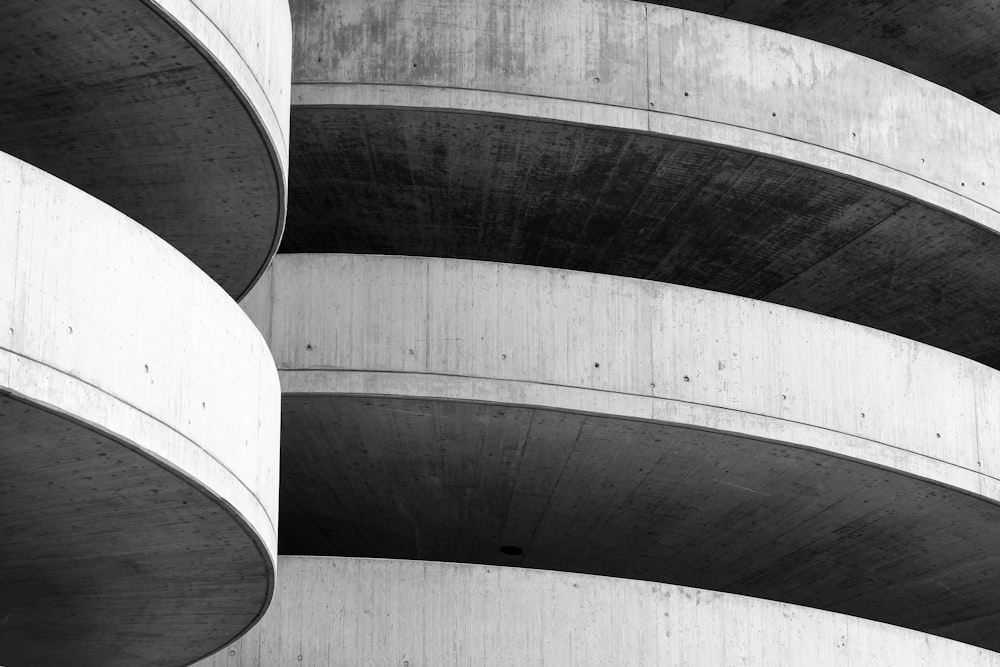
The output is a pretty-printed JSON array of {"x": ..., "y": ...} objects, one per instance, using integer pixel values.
[
  {"x": 331, "y": 611},
  {"x": 656, "y": 69},
  {"x": 102, "y": 321},
  {"x": 174, "y": 112},
  {"x": 139, "y": 430},
  {"x": 954, "y": 45},
  {"x": 251, "y": 41},
  {"x": 500, "y": 333}
]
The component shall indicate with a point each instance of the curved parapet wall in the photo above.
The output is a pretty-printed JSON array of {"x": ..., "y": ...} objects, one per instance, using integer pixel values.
[
  {"x": 139, "y": 430},
  {"x": 954, "y": 45},
  {"x": 633, "y": 66},
  {"x": 648, "y": 142},
  {"x": 441, "y": 409},
  {"x": 385, "y": 612},
  {"x": 174, "y": 112}
]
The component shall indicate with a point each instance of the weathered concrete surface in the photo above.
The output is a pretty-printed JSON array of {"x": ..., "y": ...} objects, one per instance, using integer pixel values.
[
  {"x": 768, "y": 166},
  {"x": 669, "y": 71},
  {"x": 956, "y": 45},
  {"x": 175, "y": 112},
  {"x": 138, "y": 441},
  {"x": 338, "y": 611},
  {"x": 440, "y": 409}
]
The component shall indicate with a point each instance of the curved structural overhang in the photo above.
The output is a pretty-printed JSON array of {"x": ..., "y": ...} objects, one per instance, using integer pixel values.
[
  {"x": 174, "y": 112},
  {"x": 139, "y": 425},
  {"x": 648, "y": 142},
  {"x": 954, "y": 45},
  {"x": 390, "y": 612},
  {"x": 737, "y": 445},
  {"x": 642, "y": 67}
]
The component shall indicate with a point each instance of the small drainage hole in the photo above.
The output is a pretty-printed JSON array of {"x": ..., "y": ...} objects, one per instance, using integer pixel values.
[{"x": 509, "y": 550}]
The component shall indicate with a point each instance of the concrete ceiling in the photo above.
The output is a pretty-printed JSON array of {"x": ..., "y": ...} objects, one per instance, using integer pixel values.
[
  {"x": 477, "y": 186},
  {"x": 113, "y": 553},
  {"x": 953, "y": 44},
  {"x": 455, "y": 481},
  {"x": 110, "y": 97}
]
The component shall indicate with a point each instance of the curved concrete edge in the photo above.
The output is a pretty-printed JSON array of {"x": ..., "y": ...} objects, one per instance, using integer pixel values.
[
  {"x": 250, "y": 42},
  {"x": 640, "y": 408},
  {"x": 675, "y": 126},
  {"x": 499, "y": 333},
  {"x": 105, "y": 323},
  {"x": 661, "y": 70},
  {"x": 366, "y": 611}
]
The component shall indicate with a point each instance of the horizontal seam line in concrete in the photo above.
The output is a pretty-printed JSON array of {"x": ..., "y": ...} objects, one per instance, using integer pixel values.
[
  {"x": 606, "y": 391},
  {"x": 185, "y": 437},
  {"x": 636, "y": 109}
]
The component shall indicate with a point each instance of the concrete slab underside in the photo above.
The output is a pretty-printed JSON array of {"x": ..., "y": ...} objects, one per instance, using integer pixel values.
[
  {"x": 454, "y": 481},
  {"x": 956, "y": 45},
  {"x": 121, "y": 558},
  {"x": 110, "y": 97},
  {"x": 476, "y": 186}
]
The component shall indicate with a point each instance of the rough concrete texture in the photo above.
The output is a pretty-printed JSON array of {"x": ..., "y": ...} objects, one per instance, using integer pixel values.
[
  {"x": 337, "y": 611},
  {"x": 172, "y": 111},
  {"x": 661, "y": 62},
  {"x": 439, "y": 409},
  {"x": 138, "y": 485},
  {"x": 956, "y": 45},
  {"x": 518, "y": 190},
  {"x": 767, "y": 166}
]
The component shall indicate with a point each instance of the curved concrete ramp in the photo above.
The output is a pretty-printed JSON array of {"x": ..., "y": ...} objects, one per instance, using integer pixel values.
[
  {"x": 443, "y": 409},
  {"x": 138, "y": 441},
  {"x": 172, "y": 111},
  {"x": 652, "y": 143},
  {"x": 331, "y": 611},
  {"x": 952, "y": 44}
]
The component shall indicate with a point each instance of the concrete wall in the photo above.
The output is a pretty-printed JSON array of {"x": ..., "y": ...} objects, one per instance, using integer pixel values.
[
  {"x": 251, "y": 41},
  {"x": 479, "y": 331},
  {"x": 951, "y": 44},
  {"x": 103, "y": 322},
  {"x": 661, "y": 70},
  {"x": 336, "y": 611}
]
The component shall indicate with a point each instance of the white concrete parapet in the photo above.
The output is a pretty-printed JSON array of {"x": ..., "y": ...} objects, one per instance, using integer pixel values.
[
  {"x": 482, "y": 331},
  {"x": 649, "y": 68},
  {"x": 339, "y": 611},
  {"x": 122, "y": 363}
]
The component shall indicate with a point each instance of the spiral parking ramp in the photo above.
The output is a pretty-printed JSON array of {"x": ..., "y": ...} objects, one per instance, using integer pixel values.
[
  {"x": 690, "y": 320},
  {"x": 611, "y": 288},
  {"x": 649, "y": 142},
  {"x": 142, "y": 187}
]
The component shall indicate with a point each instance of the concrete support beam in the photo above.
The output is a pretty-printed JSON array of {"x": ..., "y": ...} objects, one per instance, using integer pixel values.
[
  {"x": 138, "y": 439},
  {"x": 333, "y": 611}
]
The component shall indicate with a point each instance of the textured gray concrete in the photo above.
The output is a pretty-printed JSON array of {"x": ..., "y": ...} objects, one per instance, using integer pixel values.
[
  {"x": 441, "y": 409},
  {"x": 954, "y": 44},
  {"x": 174, "y": 112},
  {"x": 337, "y": 611},
  {"x": 138, "y": 441},
  {"x": 651, "y": 143}
]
